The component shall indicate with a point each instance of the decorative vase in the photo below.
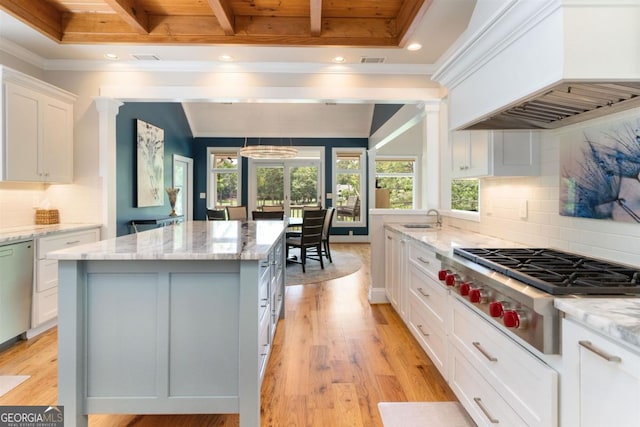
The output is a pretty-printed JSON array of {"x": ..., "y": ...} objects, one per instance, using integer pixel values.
[{"x": 173, "y": 194}]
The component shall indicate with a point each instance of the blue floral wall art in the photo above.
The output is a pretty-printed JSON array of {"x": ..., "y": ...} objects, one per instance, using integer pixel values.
[
  {"x": 150, "y": 164},
  {"x": 600, "y": 172}
]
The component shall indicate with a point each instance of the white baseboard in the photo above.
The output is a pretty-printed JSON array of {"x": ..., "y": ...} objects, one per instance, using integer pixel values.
[
  {"x": 377, "y": 296},
  {"x": 350, "y": 239},
  {"x": 42, "y": 328}
]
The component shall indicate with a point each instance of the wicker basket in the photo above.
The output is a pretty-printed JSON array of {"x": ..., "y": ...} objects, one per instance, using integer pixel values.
[{"x": 47, "y": 216}]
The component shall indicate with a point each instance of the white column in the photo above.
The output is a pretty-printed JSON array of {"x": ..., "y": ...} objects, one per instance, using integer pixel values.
[
  {"x": 430, "y": 161},
  {"x": 107, "y": 112}
]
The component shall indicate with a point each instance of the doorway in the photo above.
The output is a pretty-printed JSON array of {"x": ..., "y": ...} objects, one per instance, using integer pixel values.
[
  {"x": 292, "y": 184},
  {"x": 183, "y": 179}
]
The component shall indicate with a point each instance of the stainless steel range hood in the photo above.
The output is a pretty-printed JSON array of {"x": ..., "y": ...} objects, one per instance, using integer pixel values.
[{"x": 565, "y": 104}]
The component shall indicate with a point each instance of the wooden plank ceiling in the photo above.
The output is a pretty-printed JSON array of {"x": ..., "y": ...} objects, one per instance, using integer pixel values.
[{"x": 362, "y": 23}]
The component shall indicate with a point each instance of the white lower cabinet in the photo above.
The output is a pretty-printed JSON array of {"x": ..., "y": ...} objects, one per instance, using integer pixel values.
[
  {"x": 601, "y": 380},
  {"x": 45, "y": 292},
  {"x": 395, "y": 271},
  {"x": 527, "y": 385}
]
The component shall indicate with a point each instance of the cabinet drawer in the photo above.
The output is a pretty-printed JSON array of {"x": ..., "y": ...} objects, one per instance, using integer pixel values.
[
  {"x": 263, "y": 345},
  {"x": 430, "y": 333},
  {"x": 425, "y": 259},
  {"x": 47, "y": 274},
  {"x": 432, "y": 294},
  {"x": 45, "y": 306},
  {"x": 530, "y": 386},
  {"x": 66, "y": 240},
  {"x": 484, "y": 404}
]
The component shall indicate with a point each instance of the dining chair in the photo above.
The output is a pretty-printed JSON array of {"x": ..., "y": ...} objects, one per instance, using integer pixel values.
[
  {"x": 326, "y": 232},
  {"x": 236, "y": 213},
  {"x": 258, "y": 215},
  {"x": 272, "y": 208},
  {"x": 310, "y": 240},
  {"x": 216, "y": 214}
]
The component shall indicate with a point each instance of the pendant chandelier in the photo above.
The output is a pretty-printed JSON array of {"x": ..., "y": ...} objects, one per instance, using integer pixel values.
[{"x": 268, "y": 151}]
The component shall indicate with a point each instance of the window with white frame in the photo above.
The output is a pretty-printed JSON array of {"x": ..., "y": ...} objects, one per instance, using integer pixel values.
[
  {"x": 349, "y": 195},
  {"x": 398, "y": 175},
  {"x": 223, "y": 187}
]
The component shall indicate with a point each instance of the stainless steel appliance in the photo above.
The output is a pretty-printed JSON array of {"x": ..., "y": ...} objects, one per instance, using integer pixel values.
[
  {"x": 16, "y": 284},
  {"x": 515, "y": 287}
]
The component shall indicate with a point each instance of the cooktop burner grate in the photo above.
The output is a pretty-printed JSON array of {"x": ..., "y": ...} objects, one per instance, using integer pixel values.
[{"x": 557, "y": 272}]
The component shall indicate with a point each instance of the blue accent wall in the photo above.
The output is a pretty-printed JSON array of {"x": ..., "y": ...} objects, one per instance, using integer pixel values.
[
  {"x": 177, "y": 140},
  {"x": 382, "y": 113},
  {"x": 201, "y": 168}
]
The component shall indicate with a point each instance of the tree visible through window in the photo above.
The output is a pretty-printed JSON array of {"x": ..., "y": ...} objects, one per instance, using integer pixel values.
[
  {"x": 223, "y": 179},
  {"x": 398, "y": 176},
  {"x": 465, "y": 194}
]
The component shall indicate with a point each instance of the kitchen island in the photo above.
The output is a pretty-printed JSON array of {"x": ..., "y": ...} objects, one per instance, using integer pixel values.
[{"x": 173, "y": 320}]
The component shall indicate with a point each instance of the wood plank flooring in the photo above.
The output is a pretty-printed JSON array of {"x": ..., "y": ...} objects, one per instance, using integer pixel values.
[{"x": 335, "y": 356}]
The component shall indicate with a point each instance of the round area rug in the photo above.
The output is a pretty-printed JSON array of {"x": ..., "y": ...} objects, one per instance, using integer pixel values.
[{"x": 344, "y": 263}]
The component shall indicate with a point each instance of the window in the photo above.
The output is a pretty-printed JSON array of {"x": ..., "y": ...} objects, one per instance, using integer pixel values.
[
  {"x": 465, "y": 194},
  {"x": 224, "y": 178},
  {"x": 398, "y": 176},
  {"x": 349, "y": 181}
]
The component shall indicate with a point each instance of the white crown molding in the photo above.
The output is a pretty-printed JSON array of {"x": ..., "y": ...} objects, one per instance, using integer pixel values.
[
  {"x": 21, "y": 53},
  {"x": 220, "y": 67},
  {"x": 507, "y": 24}
]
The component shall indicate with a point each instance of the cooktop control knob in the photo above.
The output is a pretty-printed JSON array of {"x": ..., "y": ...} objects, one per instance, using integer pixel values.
[
  {"x": 465, "y": 287},
  {"x": 442, "y": 274},
  {"x": 451, "y": 279},
  {"x": 477, "y": 295},
  {"x": 516, "y": 319},
  {"x": 496, "y": 309}
]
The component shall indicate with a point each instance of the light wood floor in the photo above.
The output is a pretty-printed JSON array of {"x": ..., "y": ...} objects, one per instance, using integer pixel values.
[{"x": 334, "y": 358}]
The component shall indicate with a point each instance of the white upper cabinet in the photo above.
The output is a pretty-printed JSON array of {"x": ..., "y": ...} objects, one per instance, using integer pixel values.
[
  {"x": 37, "y": 130},
  {"x": 494, "y": 153}
]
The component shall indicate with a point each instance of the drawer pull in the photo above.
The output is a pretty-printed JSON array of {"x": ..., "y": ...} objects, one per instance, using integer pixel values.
[
  {"x": 606, "y": 356},
  {"x": 389, "y": 238},
  {"x": 74, "y": 242},
  {"x": 264, "y": 300},
  {"x": 424, "y": 261},
  {"x": 484, "y": 352},
  {"x": 422, "y": 331},
  {"x": 484, "y": 411},
  {"x": 422, "y": 292}
]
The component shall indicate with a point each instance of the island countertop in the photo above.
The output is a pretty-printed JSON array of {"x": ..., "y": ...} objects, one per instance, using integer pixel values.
[{"x": 191, "y": 240}]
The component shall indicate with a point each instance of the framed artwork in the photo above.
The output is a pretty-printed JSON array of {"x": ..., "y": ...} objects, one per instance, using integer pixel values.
[
  {"x": 150, "y": 164},
  {"x": 600, "y": 172}
]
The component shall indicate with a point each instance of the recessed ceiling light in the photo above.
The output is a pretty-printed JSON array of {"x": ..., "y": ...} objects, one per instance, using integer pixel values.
[
  {"x": 225, "y": 58},
  {"x": 111, "y": 56},
  {"x": 339, "y": 59},
  {"x": 414, "y": 46}
]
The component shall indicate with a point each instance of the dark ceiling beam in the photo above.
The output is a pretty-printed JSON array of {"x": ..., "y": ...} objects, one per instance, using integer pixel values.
[
  {"x": 224, "y": 14},
  {"x": 38, "y": 14},
  {"x": 315, "y": 15},
  {"x": 133, "y": 15}
]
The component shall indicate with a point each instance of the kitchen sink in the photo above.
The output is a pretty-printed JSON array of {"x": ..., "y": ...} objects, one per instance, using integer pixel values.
[{"x": 418, "y": 226}]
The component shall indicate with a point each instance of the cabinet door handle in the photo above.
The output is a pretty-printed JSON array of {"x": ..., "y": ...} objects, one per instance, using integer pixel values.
[
  {"x": 484, "y": 352},
  {"x": 424, "y": 261},
  {"x": 389, "y": 238},
  {"x": 422, "y": 292},
  {"x": 422, "y": 331},
  {"x": 73, "y": 242},
  {"x": 484, "y": 411},
  {"x": 265, "y": 300},
  {"x": 606, "y": 356}
]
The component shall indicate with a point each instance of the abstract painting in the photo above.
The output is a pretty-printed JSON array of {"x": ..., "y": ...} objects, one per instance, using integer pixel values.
[
  {"x": 150, "y": 151},
  {"x": 600, "y": 172}
]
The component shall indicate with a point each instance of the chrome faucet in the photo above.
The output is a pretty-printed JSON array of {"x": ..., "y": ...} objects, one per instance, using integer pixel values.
[{"x": 432, "y": 212}]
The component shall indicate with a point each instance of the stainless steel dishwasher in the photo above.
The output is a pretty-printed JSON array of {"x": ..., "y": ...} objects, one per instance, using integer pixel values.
[{"x": 16, "y": 288}]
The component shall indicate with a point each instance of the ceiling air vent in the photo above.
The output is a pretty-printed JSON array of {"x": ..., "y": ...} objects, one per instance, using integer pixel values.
[
  {"x": 145, "y": 57},
  {"x": 371, "y": 60}
]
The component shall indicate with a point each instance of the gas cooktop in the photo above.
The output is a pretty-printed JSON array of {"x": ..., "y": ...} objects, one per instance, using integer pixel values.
[{"x": 557, "y": 272}]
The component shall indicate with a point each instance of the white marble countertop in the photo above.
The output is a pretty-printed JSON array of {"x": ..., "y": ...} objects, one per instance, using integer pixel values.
[
  {"x": 618, "y": 318},
  {"x": 191, "y": 240},
  {"x": 29, "y": 232},
  {"x": 445, "y": 239}
]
